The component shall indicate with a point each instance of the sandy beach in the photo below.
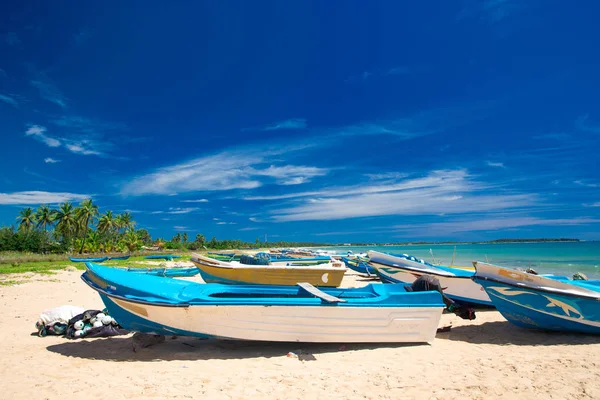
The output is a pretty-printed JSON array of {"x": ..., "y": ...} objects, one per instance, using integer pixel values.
[{"x": 481, "y": 359}]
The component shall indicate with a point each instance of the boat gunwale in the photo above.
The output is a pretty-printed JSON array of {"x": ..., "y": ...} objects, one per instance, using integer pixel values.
[
  {"x": 420, "y": 271},
  {"x": 551, "y": 290},
  {"x": 325, "y": 267}
]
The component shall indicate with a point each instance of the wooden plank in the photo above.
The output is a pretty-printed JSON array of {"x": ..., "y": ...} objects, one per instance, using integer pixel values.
[{"x": 319, "y": 293}]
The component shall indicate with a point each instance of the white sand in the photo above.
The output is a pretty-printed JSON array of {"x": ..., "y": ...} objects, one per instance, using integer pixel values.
[{"x": 486, "y": 358}]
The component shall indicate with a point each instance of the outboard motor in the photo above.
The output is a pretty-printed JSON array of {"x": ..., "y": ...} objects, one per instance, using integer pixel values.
[{"x": 426, "y": 283}]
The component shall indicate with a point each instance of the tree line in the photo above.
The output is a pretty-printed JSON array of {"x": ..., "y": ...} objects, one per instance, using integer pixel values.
[{"x": 83, "y": 229}]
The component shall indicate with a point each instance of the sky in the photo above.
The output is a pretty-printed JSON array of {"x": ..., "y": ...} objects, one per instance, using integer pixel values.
[{"x": 334, "y": 122}]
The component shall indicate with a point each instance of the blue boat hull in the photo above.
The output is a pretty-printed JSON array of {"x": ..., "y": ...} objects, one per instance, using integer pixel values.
[
  {"x": 166, "y": 257},
  {"x": 95, "y": 260},
  {"x": 360, "y": 267},
  {"x": 166, "y": 272},
  {"x": 122, "y": 258},
  {"x": 530, "y": 308}
]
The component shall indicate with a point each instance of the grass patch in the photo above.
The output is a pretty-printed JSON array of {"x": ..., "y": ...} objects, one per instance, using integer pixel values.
[{"x": 18, "y": 263}]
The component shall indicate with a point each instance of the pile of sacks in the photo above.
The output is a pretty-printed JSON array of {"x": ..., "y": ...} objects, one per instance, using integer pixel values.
[{"x": 76, "y": 322}]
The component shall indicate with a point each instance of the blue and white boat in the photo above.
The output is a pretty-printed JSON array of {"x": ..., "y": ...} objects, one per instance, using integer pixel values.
[
  {"x": 374, "y": 313},
  {"x": 92, "y": 259},
  {"x": 167, "y": 257},
  {"x": 548, "y": 303},
  {"x": 359, "y": 265},
  {"x": 457, "y": 283},
  {"x": 174, "y": 272}
]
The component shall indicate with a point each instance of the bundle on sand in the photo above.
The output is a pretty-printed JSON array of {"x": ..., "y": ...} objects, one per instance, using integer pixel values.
[{"x": 93, "y": 324}]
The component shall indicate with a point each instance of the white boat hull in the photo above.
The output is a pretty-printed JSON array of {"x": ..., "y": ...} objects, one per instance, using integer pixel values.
[
  {"x": 402, "y": 270},
  {"x": 293, "y": 323}
]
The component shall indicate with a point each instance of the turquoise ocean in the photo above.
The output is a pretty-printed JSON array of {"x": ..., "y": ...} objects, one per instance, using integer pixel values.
[{"x": 561, "y": 258}]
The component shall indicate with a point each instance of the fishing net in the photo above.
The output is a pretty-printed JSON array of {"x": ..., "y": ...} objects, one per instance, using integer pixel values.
[{"x": 250, "y": 260}]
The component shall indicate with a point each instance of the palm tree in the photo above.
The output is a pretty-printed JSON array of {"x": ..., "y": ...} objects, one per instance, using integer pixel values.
[
  {"x": 185, "y": 237},
  {"x": 107, "y": 222},
  {"x": 26, "y": 219},
  {"x": 65, "y": 220},
  {"x": 200, "y": 239},
  {"x": 86, "y": 213},
  {"x": 44, "y": 217},
  {"x": 125, "y": 221},
  {"x": 131, "y": 240}
]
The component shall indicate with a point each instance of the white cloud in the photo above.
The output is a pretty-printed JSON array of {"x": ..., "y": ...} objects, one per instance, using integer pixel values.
[
  {"x": 596, "y": 204},
  {"x": 39, "y": 132},
  {"x": 294, "y": 123},
  {"x": 226, "y": 223},
  {"x": 495, "y": 164},
  {"x": 586, "y": 184},
  {"x": 84, "y": 147},
  {"x": 236, "y": 169},
  {"x": 216, "y": 219},
  {"x": 48, "y": 91},
  {"x": 9, "y": 100},
  {"x": 196, "y": 201},
  {"x": 50, "y": 160},
  {"x": 447, "y": 191},
  {"x": 39, "y": 197},
  {"x": 180, "y": 228},
  {"x": 582, "y": 124},
  {"x": 492, "y": 224},
  {"x": 178, "y": 210},
  {"x": 248, "y": 229}
]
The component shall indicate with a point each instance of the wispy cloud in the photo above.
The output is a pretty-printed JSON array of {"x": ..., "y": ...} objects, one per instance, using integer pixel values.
[
  {"x": 583, "y": 125},
  {"x": 176, "y": 210},
  {"x": 50, "y": 160},
  {"x": 495, "y": 164},
  {"x": 289, "y": 124},
  {"x": 494, "y": 11},
  {"x": 380, "y": 73},
  {"x": 234, "y": 169},
  {"x": 195, "y": 201},
  {"x": 445, "y": 191},
  {"x": 48, "y": 91},
  {"x": 553, "y": 136},
  {"x": 76, "y": 146},
  {"x": 81, "y": 37},
  {"x": 180, "y": 228},
  {"x": 39, "y": 132},
  {"x": 9, "y": 100},
  {"x": 226, "y": 223},
  {"x": 491, "y": 224},
  {"x": 596, "y": 204},
  {"x": 248, "y": 229},
  {"x": 39, "y": 197},
  {"x": 586, "y": 184},
  {"x": 12, "y": 39}
]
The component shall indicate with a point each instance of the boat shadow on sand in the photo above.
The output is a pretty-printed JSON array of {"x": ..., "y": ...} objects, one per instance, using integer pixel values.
[
  {"x": 189, "y": 348},
  {"x": 504, "y": 333}
]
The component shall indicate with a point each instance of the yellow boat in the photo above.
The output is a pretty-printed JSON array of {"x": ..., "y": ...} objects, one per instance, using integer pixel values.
[{"x": 216, "y": 271}]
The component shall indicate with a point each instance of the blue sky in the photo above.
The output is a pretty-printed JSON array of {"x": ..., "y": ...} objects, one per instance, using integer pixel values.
[{"x": 326, "y": 121}]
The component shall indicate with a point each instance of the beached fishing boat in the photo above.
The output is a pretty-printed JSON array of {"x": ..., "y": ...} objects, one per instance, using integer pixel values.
[
  {"x": 92, "y": 259},
  {"x": 168, "y": 257},
  {"x": 359, "y": 265},
  {"x": 457, "y": 283},
  {"x": 121, "y": 258},
  {"x": 301, "y": 313},
  {"x": 173, "y": 272},
  {"x": 217, "y": 271},
  {"x": 540, "y": 302}
]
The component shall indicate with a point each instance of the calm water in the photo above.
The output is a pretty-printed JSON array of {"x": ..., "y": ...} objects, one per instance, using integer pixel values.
[{"x": 546, "y": 258}]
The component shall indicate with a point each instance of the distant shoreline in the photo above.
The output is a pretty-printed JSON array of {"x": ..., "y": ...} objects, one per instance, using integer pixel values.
[{"x": 498, "y": 241}]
